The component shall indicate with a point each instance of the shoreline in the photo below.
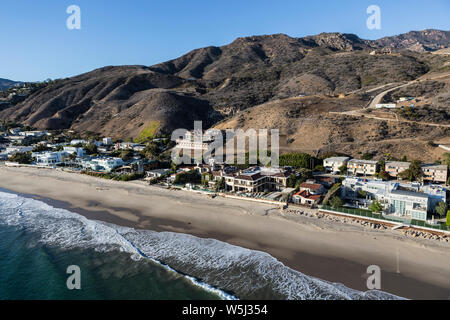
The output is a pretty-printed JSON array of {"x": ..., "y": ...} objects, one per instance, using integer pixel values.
[{"x": 332, "y": 252}]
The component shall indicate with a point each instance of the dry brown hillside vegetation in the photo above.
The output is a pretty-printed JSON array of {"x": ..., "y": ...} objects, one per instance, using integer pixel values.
[
  {"x": 306, "y": 125},
  {"x": 257, "y": 82}
]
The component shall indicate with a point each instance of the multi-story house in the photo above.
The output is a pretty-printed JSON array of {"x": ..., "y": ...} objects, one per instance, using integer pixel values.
[
  {"x": 195, "y": 140},
  {"x": 434, "y": 173},
  {"x": 249, "y": 182},
  {"x": 103, "y": 164},
  {"x": 374, "y": 189},
  {"x": 334, "y": 163},
  {"x": 408, "y": 204},
  {"x": 254, "y": 179},
  {"x": 362, "y": 167},
  {"x": 393, "y": 168},
  {"x": 406, "y": 200},
  {"x": 50, "y": 158}
]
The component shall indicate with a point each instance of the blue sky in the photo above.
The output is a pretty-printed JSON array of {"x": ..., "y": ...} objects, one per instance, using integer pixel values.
[{"x": 36, "y": 44}]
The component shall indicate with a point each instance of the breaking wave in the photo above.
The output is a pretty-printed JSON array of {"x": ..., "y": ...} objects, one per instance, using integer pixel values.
[{"x": 208, "y": 263}]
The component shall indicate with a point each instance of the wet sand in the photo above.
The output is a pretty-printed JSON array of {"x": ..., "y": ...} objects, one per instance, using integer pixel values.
[{"x": 418, "y": 269}]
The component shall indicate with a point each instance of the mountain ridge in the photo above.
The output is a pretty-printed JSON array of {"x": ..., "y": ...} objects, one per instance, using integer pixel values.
[
  {"x": 6, "y": 83},
  {"x": 213, "y": 83}
]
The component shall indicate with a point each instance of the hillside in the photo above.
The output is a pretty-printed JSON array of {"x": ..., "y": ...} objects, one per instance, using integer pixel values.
[
  {"x": 6, "y": 84},
  {"x": 118, "y": 101},
  {"x": 215, "y": 84},
  {"x": 320, "y": 126}
]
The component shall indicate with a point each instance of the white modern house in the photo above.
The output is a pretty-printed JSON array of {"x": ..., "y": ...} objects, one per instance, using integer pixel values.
[
  {"x": 405, "y": 200},
  {"x": 436, "y": 193},
  {"x": 334, "y": 163},
  {"x": 49, "y": 158},
  {"x": 74, "y": 150},
  {"x": 375, "y": 189},
  {"x": 156, "y": 173},
  {"x": 408, "y": 204},
  {"x": 103, "y": 164}
]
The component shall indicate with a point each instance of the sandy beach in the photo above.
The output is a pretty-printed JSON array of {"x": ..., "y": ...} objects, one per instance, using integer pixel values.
[{"x": 411, "y": 268}]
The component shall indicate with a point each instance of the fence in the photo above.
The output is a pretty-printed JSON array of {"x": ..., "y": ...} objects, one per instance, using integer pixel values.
[
  {"x": 355, "y": 211},
  {"x": 419, "y": 223},
  {"x": 369, "y": 214}
]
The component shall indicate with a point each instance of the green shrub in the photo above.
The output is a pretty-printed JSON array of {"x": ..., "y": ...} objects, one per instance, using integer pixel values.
[
  {"x": 336, "y": 202},
  {"x": 21, "y": 157},
  {"x": 448, "y": 218},
  {"x": 375, "y": 206}
]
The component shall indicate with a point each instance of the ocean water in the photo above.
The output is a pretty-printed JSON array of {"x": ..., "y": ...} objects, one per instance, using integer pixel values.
[{"x": 38, "y": 242}]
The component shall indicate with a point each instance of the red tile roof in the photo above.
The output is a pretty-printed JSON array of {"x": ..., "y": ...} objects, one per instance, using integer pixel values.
[
  {"x": 311, "y": 186},
  {"x": 325, "y": 179},
  {"x": 305, "y": 194}
]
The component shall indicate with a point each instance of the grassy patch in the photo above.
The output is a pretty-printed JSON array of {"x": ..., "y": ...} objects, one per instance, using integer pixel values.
[{"x": 148, "y": 132}]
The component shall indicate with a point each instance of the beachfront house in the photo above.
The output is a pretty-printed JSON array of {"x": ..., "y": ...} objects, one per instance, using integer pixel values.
[
  {"x": 405, "y": 200},
  {"x": 312, "y": 188},
  {"x": 306, "y": 198},
  {"x": 102, "y": 164},
  {"x": 362, "y": 167},
  {"x": 363, "y": 191},
  {"x": 156, "y": 173},
  {"x": 256, "y": 179},
  {"x": 247, "y": 182},
  {"x": 408, "y": 204},
  {"x": 334, "y": 163},
  {"x": 49, "y": 158}
]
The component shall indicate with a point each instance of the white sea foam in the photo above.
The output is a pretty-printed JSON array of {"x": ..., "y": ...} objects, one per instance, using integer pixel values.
[{"x": 208, "y": 263}]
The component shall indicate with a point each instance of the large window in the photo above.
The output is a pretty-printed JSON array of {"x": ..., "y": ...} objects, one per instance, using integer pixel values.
[{"x": 398, "y": 207}]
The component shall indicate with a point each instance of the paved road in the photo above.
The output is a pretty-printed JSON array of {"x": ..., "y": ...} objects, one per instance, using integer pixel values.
[
  {"x": 377, "y": 99},
  {"x": 380, "y": 96},
  {"x": 359, "y": 114}
]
